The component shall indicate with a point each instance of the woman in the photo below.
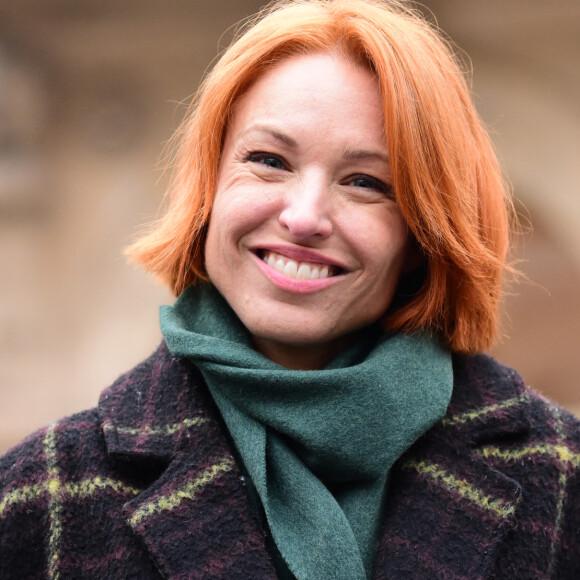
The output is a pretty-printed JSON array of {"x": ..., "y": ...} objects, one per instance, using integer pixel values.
[{"x": 336, "y": 235}]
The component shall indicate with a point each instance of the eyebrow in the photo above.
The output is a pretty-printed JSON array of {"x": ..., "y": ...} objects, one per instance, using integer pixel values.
[
  {"x": 286, "y": 139},
  {"x": 365, "y": 154}
]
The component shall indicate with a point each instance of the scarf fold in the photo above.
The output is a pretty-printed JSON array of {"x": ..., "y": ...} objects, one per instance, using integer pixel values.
[{"x": 317, "y": 445}]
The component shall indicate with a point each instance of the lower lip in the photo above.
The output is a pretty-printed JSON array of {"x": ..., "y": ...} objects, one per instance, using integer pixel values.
[{"x": 293, "y": 284}]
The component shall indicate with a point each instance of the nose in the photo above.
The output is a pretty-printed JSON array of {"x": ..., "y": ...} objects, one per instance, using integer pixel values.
[{"x": 306, "y": 209}]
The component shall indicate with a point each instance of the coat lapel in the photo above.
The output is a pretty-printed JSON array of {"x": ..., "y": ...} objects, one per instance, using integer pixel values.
[
  {"x": 194, "y": 518},
  {"x": 448, "y": 510},
  {"x": 196, "y": 521}
]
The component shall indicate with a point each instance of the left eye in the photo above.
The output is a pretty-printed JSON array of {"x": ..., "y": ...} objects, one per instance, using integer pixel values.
[
  {"x": 367, "y": 182},
  {"x": 268, "y": 159}
]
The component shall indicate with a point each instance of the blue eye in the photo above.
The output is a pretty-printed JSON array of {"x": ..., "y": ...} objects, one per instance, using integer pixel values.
[
  {"x": 371, "y": 183},
  {"x": 365, "y": 183},
  {"x": 267, "y": 159}
]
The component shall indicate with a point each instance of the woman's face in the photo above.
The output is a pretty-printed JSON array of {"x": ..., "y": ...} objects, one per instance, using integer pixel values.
[{"x": 306, "y": 241}]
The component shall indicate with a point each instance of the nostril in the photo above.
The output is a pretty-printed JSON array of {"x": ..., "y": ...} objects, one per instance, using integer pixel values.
[{"x": 305, "y": 224}]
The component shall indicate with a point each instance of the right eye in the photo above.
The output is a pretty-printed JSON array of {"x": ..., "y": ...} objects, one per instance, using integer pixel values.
[{"x": 267, "y": 159}]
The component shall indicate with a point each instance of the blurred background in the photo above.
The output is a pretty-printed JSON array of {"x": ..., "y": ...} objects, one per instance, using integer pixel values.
[{"x": 90, "y": 92}]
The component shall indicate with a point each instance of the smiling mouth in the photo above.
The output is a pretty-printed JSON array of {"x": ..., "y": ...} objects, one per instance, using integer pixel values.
[{"x": 298, "y": 270}]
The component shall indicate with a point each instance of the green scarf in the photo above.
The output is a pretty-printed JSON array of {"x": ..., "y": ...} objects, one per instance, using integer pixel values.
[{"x": 317, "y": 445}]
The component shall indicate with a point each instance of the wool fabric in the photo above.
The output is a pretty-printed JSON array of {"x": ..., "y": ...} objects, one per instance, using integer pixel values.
[
  {"x": 148, "y": 486},
  {"x": 317, "y": 445}
]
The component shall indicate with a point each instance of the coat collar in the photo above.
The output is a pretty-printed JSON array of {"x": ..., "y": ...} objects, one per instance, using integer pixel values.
[
  {"x": 154, "y": 409},
  {"x": 161, "y": 414}
]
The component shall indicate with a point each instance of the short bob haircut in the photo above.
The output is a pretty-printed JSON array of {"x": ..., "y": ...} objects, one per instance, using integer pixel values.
[{"x": 446, "y": 177}]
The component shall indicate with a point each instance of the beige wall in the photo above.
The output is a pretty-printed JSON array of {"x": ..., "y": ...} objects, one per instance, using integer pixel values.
[{"x": 89, "y": 93}]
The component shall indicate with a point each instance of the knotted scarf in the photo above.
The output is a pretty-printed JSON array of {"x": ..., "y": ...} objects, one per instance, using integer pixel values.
[{"x": 317, "y": 445}]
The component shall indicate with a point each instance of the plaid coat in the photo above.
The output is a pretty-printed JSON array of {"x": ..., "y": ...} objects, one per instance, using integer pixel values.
[{"x": 145, "y": 486}]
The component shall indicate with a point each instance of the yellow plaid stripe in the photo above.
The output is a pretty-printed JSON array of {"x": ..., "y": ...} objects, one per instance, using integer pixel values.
[
  {"x": 54, "y": 505},
  {"x": 188, "y": 491},
  {"x": 23, "y": 494},
  {"x": 562, "y": 482},
  {"x": 160, "y": 430},
  {"x": 559, "y": 451},
  {"x": 88, "y": 487},
  {"x": 462, "y": 488},
  {"x": 483, "y": 411},
  {"x": 82, "y": 489}
]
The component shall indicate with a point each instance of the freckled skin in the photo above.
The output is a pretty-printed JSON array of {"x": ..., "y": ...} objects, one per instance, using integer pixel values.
[{"x": 305, "y": 166}]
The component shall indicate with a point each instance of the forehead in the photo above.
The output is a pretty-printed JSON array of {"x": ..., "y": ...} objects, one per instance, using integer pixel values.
[{"x": 320, "y": 86}]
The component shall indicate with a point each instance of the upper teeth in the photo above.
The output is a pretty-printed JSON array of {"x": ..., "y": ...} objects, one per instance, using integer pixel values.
[{"x": 299, "y": 270}]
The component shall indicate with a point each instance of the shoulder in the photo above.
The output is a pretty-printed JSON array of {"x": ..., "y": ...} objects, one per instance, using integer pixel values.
[
  {"x": 545, "y": 461},
  {"x": 27, "y": 466},
  {"x": 489, "y": 396},
  {"x": 78, "y": 444},
  {"x": 510, "y": 425},
  {"x": 61, "y": 460},
  {"x": 62, "y": 492},
  {"x": 480, "y": 380},
  {"x": 71, "y": 448},
  {"x": 497, "y": 427}
]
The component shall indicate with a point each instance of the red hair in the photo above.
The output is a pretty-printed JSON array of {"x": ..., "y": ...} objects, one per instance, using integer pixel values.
[{"x": 445, "y": 173}]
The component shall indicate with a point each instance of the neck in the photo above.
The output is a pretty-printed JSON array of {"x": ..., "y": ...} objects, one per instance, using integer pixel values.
[{"x": 300, "y": 357}]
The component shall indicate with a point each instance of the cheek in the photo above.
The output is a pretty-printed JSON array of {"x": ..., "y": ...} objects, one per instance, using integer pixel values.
[
  {"x": 235, "y": 214},
  {"x": 242, "y": 210},
  {"x": 381, "y": 238}
]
